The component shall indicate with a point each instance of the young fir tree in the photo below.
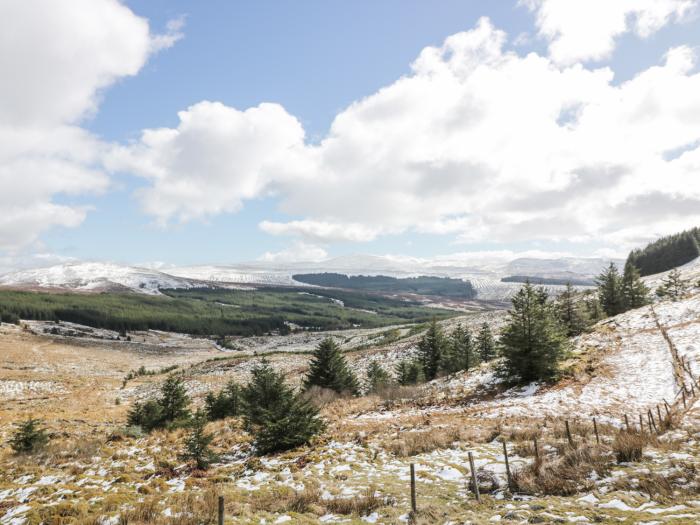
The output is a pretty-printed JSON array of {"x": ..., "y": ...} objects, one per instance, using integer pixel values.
[
  {"x": 377, "y": 378},
  {"x": 409, "y": 372},
  {"x": 533, "y": 342},
  {"x": 610, "y": 291},
  {"x": 224, "y": 404},
  {"x": 430, "y": 350},
  {"x": 171, "y": 408},
  {"x": 459, "y": 352},
  {"x": 29, "y": 437},
  {"x": 673, "y": 286},
  {"x": 634, "y": 292},
  {"x": 571, "y": 315},
  {"x": 278, "y": 417},
  {"x": 174, "y": 400},
  {"x": 485, "y": 345},
  {"x": 197, "y": 443},
  {"x": 594, "y": 311},
  {"x": 328, "y": 369}
]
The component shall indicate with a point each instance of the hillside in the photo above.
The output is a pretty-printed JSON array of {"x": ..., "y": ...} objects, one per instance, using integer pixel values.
[{"x": 633, "y": 365}]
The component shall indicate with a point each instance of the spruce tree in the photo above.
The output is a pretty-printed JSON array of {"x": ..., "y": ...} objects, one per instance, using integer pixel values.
[
  {"x": 430, "y": 350},
  {"x": 328, "y": 369},
  {"x": 610, "y": 291},
  {"x": 459, "y": 353},
  {"x": 174, "y": 400},
  {"x": 571, "y": 314},
  {"x": 634, "y": 292},
  {"x": 278, "y": 417},
  {"x": 29, "y": 437},
  {"x": 673, "y": 286},
  {"x": 593, "y": 309},
  {"x": 485, "y": 345},
  {"x": 409, "y": 372},
  {"x": 533, "y": 342},
  {"x": 224, "y": 404},
  {"x": 377, "y": 378},
  {"x": 197, "y": 443},
  {"x": 147, "y": 415}
]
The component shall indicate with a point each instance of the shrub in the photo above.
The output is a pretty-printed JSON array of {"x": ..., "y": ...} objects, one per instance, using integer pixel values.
[
  {"x": 29, "y": 437},
  {"x": 629, "y": 446},
  {"x": 377, "y": 378},
  {"x": 409, "y": 372},
  {"x": 170, "y": 409},
  {"x": 227, "y": 403}
]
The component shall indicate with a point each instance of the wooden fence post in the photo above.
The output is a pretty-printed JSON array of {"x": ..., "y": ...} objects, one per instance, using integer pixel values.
[
  {"x": 474, "y": 480},
  {"x": 658, "y": 413},
  {"x": 537, "y": 455},
  {"x": 627, "y": 423},
  {"x": 595, "y": 429},
  {"x": 505, "y": 455},
  {"x": 413, "y": 488},
  {"x": 568, "y": 434},
  {"x": 683, "y": 392},
  {"x": 641, "y": 424},
  {"x": 221, "y": 510},
  {"x": 652, "y": 423}
]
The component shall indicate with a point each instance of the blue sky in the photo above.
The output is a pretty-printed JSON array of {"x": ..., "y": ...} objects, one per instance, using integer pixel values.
[{"x": 314, "y": 59}]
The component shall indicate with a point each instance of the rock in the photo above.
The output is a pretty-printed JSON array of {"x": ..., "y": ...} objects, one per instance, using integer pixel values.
[{"x": 486, "y": 480}]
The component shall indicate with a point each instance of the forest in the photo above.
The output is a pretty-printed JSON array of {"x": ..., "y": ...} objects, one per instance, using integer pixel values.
[
  {"x": 667, "y": 252},
  {"x": 217, "y": 311},
  {"x": 422, "y": 285}
]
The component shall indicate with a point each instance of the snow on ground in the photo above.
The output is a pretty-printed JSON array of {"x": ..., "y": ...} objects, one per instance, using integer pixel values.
[{"x": 22, "y": 389}]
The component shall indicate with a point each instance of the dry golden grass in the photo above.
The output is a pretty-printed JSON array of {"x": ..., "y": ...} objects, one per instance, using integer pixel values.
[
  {"x": 629, "y": 446},
  {"x": 420, "y": 442},
  {"x": 565, "y": 475}
]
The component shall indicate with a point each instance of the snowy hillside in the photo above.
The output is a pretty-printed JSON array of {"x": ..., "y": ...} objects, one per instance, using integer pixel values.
[{"x": 90, "y": 276}]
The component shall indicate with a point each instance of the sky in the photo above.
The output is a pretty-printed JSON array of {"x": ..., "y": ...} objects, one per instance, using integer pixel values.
[{"x": 225, "y": 131}]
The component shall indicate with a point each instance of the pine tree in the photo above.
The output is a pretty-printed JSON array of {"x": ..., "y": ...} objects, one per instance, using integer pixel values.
[
  {"x": 634, "y": 292},
  {"x": 430, "y": 350},
  {"x": 610, "y": 290},
  {"x": 174, "y": 400},
  {"x": 571, "y": 314},
  {"x": 459, "y": 352},
  {"x": 224, "y": 404},
  {"x": 409, "y": 372},
  {"x": 533, "y": 342},
  {"x": 328, "y": 369},
  {"x": 147, "y": 415},
  {"x": 594, "y": 311},
  {"x": 279, "y": 418},
  {"x": 197, "y": 443},
  {"x": 29, "y": 437},
  {"x": 377, "y": 378},
  {"x": 673, "y": 286},
  {"x": 485, "y": 345}
]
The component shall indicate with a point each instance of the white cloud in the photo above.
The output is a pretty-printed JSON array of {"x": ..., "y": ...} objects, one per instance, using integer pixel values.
[
  {"x": 581, "y": 30},
  {"x": 297, "y": 252},
  {"x": 318, "y": 231},
  {"x": 216, "y": 158},
  {"x": 56, "y": 58},
  {"x": 477, "y": 142}
]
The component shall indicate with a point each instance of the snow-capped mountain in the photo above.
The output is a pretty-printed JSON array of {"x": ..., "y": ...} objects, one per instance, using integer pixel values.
[
  {"x": 484, "y": 272},
  {"x": 93, "y": 276}
]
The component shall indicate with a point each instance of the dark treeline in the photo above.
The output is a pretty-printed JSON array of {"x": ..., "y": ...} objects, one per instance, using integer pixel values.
[
  {"x": 563, "y": 281},
  {"x": 423, "y": 285},
  {"x": 667, "y": 252},
  {"x": 211, "y": 311}
]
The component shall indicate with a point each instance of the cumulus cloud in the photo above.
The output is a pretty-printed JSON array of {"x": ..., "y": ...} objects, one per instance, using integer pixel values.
[
  {"x": 56, "y": 59},
  {"x": 477, "y": 142},
  {"x": 318, "y": 231},
  {"x": 297, "y": 252},
  {"x": 582, "y": 30}
]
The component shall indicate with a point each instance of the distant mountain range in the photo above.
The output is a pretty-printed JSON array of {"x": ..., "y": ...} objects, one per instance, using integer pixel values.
[{"x": 485, "y": 273}]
